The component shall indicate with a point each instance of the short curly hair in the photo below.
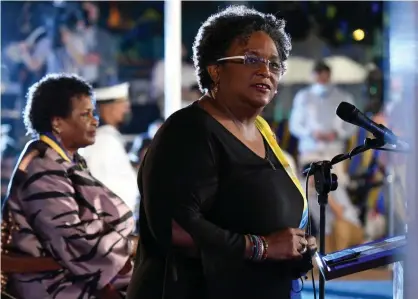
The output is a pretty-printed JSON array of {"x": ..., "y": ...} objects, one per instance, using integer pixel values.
[
  {"x": 52, "y": 97},
  {"x": 216, "y": 35}
]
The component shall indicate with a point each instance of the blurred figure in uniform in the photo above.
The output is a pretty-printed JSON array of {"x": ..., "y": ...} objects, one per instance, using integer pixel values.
[{"x": 107, "y": 158}]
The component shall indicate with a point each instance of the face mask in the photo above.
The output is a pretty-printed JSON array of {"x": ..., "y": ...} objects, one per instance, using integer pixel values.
[
  {"x": 320, "y": 89},
  {"x": 127, "y": 117}
]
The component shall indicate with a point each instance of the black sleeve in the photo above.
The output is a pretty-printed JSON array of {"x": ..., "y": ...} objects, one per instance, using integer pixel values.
[{"x": 179, "y": 178}]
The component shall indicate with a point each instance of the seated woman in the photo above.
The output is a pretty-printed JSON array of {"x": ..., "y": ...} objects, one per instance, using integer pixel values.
[
  {"x": 61, "y": 214},
  {"x": 222, "y": 213}
]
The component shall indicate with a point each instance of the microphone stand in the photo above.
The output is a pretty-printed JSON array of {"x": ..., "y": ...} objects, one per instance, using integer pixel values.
[{"x": 325, "y": 182}]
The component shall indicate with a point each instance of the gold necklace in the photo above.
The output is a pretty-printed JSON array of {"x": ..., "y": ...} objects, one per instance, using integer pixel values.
[{"x": 225, "y": 110}]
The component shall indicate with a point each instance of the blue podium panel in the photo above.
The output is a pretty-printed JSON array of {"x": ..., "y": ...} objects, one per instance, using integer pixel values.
[{"x": 402, "y": 108}]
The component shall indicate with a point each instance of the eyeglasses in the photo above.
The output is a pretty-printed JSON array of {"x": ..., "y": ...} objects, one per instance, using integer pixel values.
[{"x": 256, "y": 62}]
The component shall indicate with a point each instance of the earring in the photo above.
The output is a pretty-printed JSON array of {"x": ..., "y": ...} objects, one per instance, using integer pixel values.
[{"x": 215, "y": 90}]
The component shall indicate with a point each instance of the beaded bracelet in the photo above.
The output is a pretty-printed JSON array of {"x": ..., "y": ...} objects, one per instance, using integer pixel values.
[
  {"x": 258, "y": 248},
  {"x": 266, "y": 247},
  {"x": 259, "y": 252},
  {"x": 253, "y": 249}
]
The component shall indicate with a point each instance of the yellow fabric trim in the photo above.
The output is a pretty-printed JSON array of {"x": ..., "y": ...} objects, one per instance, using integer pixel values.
[
  {"x": 55, "y": 147},
  {"x": 265, "y": 130},
  {"x": 284, "y": 142}
]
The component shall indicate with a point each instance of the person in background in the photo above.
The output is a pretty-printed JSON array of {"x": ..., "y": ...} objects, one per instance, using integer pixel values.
[
  {"x": 154, "y": 127},
  {"x": 107, "y": 158},
  {"x": 188, "y": 78},
  {"x": 321, "y": 133},
  {"x": 67, "y": 51},
  {"x": 343, "y": 227},
  {"x": 136, "y": 155},
  {"x": 222, "y": 214},
  {"x": 67, "y": 231},
  {"x": 8, "y": 158},
  {"x": 142, "y": 142},
  {"x": 138, "y": 151},
  {"x": 193, "y": 95},
  {"x": 33, "y": 53},
  {"x": 100, "y": 62}
]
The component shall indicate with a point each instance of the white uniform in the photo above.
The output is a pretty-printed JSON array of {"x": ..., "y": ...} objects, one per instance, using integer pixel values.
[
  {"x": 107, "y": 158},
  {"x": 109, "y": 162}
]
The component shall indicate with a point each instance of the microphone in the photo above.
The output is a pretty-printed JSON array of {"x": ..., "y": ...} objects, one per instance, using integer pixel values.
[{"x": 352, "y": 115}]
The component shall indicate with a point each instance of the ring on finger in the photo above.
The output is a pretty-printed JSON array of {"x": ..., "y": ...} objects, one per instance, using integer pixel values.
[{"x": 303, "y": 248}]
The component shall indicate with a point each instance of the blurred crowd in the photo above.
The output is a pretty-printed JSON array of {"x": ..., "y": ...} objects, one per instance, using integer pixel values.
[{"x": 74, "y": 42}]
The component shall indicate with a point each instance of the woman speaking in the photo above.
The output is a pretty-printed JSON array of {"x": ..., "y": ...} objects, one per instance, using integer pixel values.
[{"x": 222, "y": 213}]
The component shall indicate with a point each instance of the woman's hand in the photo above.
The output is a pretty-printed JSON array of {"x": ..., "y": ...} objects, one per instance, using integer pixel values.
[
  {"x": 180, "y": 237},
  {"x": 289, "y": 243},
  {"x": 182, "y": 240},
  {"x": 134, "y": 240},
  {"x": 312, "y": 245}
]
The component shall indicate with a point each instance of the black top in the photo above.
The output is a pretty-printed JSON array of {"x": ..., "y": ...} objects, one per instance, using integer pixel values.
[{"x": 217, "y": 189}]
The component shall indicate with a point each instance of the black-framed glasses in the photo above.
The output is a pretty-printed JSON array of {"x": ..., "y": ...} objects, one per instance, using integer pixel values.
[{"x": 255, "y": 61}]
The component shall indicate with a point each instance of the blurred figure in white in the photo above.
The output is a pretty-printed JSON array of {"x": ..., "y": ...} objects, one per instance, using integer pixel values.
[
  {"x": 321, "y": 133},
  {"x": 107, "y": 158},
  {"x": 188, "y": 80}
]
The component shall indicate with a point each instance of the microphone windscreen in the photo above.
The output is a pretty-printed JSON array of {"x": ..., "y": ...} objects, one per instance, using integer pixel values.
[{"x": 346, "y": 111}]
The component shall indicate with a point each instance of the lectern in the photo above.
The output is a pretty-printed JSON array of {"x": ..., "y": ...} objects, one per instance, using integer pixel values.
[{"x": 363, "y": 257}]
